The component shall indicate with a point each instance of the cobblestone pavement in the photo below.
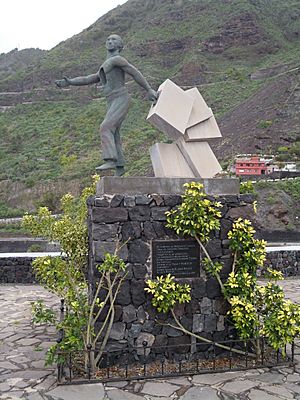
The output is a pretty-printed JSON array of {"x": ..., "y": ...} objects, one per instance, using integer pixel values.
[
  {"x": 22, "y": 346},
  {"x": 291, "y": 288},
  {"x": 23, "y": 375}
]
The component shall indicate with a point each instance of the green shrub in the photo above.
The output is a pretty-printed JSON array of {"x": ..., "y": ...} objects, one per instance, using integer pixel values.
[
  {"x": 51, "y": 200},
  {"x": 264, "y": 124},
  {"x": 167, "y": 293},
  {"x": 246, "y": 187},
  {"x": 10, "y": 212},
  {"x": 255, "y": 310},
  {"x": 34, "y": 248}
]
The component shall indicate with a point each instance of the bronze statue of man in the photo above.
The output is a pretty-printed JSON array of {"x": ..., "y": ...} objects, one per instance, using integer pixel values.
[{"x": 111, "y": 75}]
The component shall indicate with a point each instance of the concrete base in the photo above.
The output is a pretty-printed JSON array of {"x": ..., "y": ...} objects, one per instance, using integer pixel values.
[
  {"x": 150, "y": 185},
  {"x": 168, "y": 161}
]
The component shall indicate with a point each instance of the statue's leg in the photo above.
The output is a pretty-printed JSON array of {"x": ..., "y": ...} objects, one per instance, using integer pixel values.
[
  {"x": 120, "y": 157},
  {"x": 120, "y": 160},
  {"x": 110, "y": 129},
  {"x": 108, "y": 146}
]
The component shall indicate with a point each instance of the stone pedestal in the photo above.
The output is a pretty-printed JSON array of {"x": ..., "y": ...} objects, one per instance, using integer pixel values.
[{"x": 137, "y": 215}]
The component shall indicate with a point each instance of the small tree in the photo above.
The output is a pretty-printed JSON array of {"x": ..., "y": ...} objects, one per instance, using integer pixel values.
[{"x": 65, "y": 276}]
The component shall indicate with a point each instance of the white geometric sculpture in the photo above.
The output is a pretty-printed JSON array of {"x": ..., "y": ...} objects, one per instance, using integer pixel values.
[
  {"x": 200, "y": 110},
  {"x": 200, "y": 158},
  {"x": 205, "y": 130},
  {"x": 184, "y": 117},
  {"x": 172, "y": 110},
  {"x": 168, "y": 161}
]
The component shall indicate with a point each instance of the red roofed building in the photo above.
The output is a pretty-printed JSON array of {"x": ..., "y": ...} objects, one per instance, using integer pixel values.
[{"x": 252, "y": 165}]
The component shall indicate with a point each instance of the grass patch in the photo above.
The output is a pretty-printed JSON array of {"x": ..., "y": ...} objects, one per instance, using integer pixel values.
[
  {"x": 9, "y": 212},
  {"x": 292, "y": 187}
]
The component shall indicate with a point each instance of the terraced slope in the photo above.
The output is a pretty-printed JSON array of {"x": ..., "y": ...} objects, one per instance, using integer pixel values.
[{"x": 243, "y": 55}]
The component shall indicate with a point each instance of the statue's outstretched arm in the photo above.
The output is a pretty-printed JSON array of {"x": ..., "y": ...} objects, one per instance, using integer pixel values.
[
  {"x": 137, "y": 76},
  {"x": 79, "y": 81}
]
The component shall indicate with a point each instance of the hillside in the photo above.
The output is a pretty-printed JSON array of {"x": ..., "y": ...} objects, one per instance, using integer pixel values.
[
  {"x": 278, "y": 206},
  {"x": 14, "y": 61},
  {"x": 243, "y": 55},
  {"x": 266, "y": 122}
]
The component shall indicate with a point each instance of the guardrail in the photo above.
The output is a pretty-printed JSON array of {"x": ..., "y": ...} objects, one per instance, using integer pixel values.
[{"x": 144, "y": 362}]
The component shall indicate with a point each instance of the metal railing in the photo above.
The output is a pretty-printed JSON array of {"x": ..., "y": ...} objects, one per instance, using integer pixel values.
[{"x": 134, "y": 363}]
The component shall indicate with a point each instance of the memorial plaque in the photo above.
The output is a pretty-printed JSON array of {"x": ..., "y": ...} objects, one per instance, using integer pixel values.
[{"x": 180, "y": 258}]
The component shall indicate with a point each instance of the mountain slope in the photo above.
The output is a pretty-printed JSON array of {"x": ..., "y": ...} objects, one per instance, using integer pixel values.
[
  {"x": 170, "y": 38},
  {"x": 265, "y": 121},
  {"x": 243, "y": 56},
  {"x": 14, "y": 61}
]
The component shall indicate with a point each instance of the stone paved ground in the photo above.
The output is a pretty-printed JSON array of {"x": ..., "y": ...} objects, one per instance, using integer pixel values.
[
  {"x": 23, "y": 375},
  {"x": 291, "y": 288},
  {"x": 22, "y": 346}
]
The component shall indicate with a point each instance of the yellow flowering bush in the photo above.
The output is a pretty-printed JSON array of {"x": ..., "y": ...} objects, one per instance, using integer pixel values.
[{"x": 255, "y": 310}]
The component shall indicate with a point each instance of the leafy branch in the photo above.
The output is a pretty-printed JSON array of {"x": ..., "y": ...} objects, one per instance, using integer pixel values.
[{"x": 255, "y": 310}]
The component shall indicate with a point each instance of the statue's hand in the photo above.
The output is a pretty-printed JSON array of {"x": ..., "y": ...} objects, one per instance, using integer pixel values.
[
  {"x": 152, "y": 95},
  {"x": 62, "y": 83}
]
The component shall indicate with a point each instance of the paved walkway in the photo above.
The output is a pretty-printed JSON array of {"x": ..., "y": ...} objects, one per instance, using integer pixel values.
[
  {"x": 23, "y": 375},
  {"x": 22, "y": 346}
]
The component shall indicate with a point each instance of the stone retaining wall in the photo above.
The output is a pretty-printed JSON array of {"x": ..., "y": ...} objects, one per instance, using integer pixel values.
[
  {"x": 288, "y": 262},
  {"x": 139, "y": 219},
  {"x": 19, "y": 245},
  {"x": 16, "y": 270},
  {"x": 279, "y": 236}
]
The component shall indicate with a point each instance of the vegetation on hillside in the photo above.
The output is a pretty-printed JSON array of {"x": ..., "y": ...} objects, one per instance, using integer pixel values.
[
  {"x": 45, "y": 141},
  {"x": 49, "y": 134}
]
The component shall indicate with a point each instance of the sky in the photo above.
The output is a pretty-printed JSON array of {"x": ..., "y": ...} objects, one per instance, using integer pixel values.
[{"x": 45, "y": 23}]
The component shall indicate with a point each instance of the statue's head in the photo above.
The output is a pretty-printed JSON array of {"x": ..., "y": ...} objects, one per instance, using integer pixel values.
[{"x": 114, "y": 42}]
